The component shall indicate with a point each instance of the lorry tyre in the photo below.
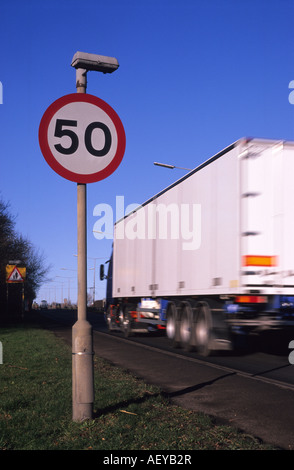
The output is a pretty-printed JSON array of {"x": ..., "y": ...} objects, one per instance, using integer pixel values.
[
  {"x": 187, "y": 330},
  {"x": 203, "y": 329},
  {"x": 109, "y": 322},
  {"x": 126, "y": 321},
  {"x": 172, "y": 325}
]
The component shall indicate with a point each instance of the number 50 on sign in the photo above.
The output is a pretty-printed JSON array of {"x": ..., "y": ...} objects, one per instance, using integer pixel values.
[{"x": 82, "y": 138}]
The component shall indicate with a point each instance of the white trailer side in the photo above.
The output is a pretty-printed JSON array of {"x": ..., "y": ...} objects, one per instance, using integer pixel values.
[{"x": 224, "y": 230}]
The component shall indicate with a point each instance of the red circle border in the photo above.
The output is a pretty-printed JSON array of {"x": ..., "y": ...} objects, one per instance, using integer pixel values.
[{"x": 49, "y": 157}]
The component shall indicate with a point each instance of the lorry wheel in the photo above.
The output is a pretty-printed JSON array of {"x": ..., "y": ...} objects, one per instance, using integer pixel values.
[
  {"x": 172, "y": 325},
  {"x": 203, "y": 330},
  {"x": 187, "y": 327},
  {"x": 126, "y": 322},
  {"x": 109, "y": 320}
]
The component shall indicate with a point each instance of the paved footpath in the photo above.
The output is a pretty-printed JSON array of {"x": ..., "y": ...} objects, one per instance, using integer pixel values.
[{"x": 261, "y": 409}]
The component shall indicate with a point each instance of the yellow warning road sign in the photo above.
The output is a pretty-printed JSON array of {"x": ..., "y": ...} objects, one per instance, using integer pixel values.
[{"x": 15, "y": 273}]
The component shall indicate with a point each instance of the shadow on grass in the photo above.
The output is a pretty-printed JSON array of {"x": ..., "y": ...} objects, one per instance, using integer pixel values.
[
  {"x": 163, "y": 394},
  {"x": 125, "y": 403}
]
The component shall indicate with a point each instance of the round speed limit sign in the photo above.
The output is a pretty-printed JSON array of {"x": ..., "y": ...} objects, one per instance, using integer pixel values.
[{"x": 82, "y": 138}]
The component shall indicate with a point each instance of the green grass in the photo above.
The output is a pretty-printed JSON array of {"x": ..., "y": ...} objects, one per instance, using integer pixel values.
[{"x": 36, "y": 405}]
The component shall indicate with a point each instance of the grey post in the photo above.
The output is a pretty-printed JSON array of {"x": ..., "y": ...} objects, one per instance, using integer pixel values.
[{"x": 82, "y": 335}]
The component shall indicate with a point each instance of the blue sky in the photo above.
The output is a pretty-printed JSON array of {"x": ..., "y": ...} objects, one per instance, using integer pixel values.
[{"x": 194, "y": 76}]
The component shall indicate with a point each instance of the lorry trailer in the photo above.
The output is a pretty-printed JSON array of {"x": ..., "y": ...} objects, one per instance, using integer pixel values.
[{"x": 212, "y": 255}]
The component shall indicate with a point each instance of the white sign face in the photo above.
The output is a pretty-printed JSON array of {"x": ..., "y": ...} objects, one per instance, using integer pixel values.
[{"x": 82, "y": 138}]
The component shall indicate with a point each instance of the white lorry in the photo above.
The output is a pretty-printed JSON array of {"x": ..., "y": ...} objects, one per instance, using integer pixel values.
[{"x": 211, "y": 254}]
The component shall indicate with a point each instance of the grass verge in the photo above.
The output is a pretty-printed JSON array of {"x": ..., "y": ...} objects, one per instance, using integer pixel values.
[{"x": 36, "y": 406}]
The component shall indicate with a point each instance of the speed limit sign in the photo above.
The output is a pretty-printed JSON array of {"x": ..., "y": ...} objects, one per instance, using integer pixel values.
[{"x": 82, "y": 138}]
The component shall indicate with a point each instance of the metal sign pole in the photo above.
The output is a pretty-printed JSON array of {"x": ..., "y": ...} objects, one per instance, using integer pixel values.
[
  {"x": 82, "y": 335},
  {"x": 88, "y": 112}
]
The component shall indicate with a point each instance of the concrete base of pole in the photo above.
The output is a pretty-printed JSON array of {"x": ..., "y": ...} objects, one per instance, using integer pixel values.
[{"x": 82, "y": 371}]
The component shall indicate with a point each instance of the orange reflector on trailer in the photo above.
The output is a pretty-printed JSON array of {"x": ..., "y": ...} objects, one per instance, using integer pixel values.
[
  {"x": 251, "y": 299},
  {"x": 253, "y": 260}
]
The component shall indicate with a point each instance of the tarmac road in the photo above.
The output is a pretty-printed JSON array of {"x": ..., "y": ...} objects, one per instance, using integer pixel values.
[{"x": 264, "y": 409}]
